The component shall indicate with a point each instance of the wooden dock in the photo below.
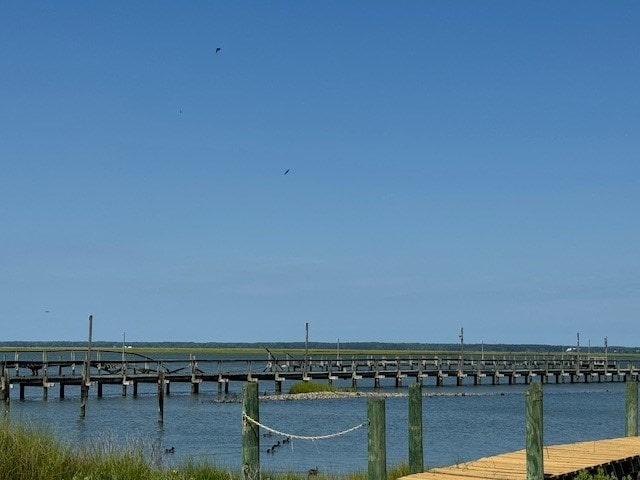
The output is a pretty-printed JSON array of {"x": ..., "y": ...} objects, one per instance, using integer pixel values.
[
  {"x": 620, "y": 456},
  {"x": 42, "y": 369}
]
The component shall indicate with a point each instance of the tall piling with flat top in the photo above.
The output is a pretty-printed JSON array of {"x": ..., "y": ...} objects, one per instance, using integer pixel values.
[
  {"x": 534, "y": 442},
  {"x": 250, "y": 432},
  {"x": 85, "y": 379},
  {"x": 416, "y": 452},
  {"x": 631, "y": 426},
  {"x": 376, "y": 441}
]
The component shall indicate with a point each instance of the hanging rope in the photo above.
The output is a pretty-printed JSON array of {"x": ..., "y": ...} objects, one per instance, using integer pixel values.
[{"x": 301, "y": 437}]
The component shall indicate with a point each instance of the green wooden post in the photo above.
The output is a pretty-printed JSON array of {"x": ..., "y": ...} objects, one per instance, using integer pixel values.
[
  {"x": 416, "y": 453},
  {"x": 631, "y": 427},
  {"x": 250, "y": 432},
  {"x": 376, "y": 443},
  {"x": 534, "y": 442}
]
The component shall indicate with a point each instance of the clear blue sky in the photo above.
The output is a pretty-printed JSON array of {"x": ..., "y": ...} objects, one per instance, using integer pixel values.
[{"x": 452, "y": 164}]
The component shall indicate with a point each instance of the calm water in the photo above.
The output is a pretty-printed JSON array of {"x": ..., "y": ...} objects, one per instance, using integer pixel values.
[{"x": 460, "y": 423}]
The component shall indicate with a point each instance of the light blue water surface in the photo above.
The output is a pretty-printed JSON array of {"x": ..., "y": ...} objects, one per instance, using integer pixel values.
[{"x": 460, "y": 423}]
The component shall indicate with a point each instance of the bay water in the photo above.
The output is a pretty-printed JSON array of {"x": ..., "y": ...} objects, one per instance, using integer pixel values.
[{"x": 460, "y": 423}]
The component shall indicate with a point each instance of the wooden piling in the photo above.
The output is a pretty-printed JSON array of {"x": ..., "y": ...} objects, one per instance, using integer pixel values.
[
  {"x": 250, "y": 432},
  {"x": 84, "y": 389},
  {"x": 631, "y": 424},
  {"x": 376, "y": 441},
  {"x": 5, "y": 389},
  {"x": 534, "y": 437},
  {"x": 160, "y": 397},
  {"x": 416, "y": 452},
  {"x": 86, "y": 372}
]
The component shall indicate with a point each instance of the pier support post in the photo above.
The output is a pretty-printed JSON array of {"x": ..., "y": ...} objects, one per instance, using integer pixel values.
[
  {"x": 534, "y": 442},
  {"x": 167, "y": 389},
  {"x": 416, "y": 451},
  {"x": 376, "y": 442},
  {"x": 84, "y": 389},
  {"x": 631, "y": 426},
  {"x": 22, "y": 386},
  {"x": 135, "y": 388},
  {"x": 61, "y": 390},
  {"x": 160, "y": 397},
  {"x": 195, "y": 387},
  {"x": 278, "y": 386},
  {"x": 99, "y": 390},
  {"x": 5, "y": 389},
  {"x": 250, "y": 432}
]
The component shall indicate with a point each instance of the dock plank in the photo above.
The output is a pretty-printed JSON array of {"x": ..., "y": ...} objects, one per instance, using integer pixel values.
[{"x": 558, "y": 460}]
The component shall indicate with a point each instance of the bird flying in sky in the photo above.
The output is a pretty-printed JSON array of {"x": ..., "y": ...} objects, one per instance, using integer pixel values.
[
  {"x": 218, "y": 49},
  {"x": 286, "y": 171}
]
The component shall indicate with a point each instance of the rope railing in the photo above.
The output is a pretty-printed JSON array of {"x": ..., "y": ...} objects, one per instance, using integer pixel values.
[{"x": 301, "y": 437}]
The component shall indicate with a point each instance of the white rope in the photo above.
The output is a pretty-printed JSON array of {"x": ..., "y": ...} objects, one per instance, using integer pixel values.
[{"x": 301, "y": 437}]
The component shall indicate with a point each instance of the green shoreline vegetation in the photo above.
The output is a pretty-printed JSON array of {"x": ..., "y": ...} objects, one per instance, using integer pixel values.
[
  {"x": 29, "y": 453},
  {"x": 282, "y": 349}
]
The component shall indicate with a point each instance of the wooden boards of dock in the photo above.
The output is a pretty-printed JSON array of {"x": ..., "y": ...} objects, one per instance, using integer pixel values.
[{"x": 617, "y": 455}]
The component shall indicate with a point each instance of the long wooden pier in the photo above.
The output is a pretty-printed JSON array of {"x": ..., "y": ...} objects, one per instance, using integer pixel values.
[
  {"x": 620, "y": 456},
  {"x": 48, "y": 369}
]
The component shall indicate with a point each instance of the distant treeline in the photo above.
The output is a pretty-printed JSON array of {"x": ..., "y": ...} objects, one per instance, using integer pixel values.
[{"x": 440, "y": 347}]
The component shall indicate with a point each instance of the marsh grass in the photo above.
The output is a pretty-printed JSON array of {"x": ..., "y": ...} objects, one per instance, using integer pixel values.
[
  {"x": 311, "y": 387},
  {"x": 29, "y": 453}
]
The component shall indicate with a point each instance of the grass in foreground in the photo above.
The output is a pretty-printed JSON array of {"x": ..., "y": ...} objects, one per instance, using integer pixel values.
[{"x": 28, "y": 453}]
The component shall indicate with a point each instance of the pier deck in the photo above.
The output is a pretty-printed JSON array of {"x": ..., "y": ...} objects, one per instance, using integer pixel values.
[
  {"x": 620, "y": 456},
  {"x": 46, "y": 369}
]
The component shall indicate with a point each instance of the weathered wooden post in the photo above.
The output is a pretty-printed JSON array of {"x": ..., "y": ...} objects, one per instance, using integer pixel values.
[
  {"x": 376, "y": 442},
  {"x": 5, "y": 389},
  {"x": 416, "y": 452},
  {"x": 631, "y": 427},
  {"x": 250, "y": 432},
  {"x": 84, "y": 389},
  {"x": 86, "y": 373},
  {"x": 160, "y": 397},
  {"x": 534, "y": 441}
]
